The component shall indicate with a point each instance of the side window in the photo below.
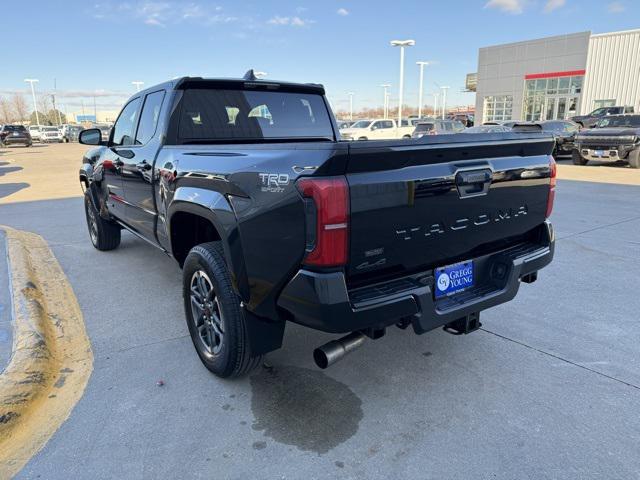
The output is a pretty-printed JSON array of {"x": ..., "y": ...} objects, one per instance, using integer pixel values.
[
  {"x": 377, "y": 125},
  {"x": 387, "y": 124},
  {"x": 126, "y": 123},
  {"x": 149, "y": 117}
]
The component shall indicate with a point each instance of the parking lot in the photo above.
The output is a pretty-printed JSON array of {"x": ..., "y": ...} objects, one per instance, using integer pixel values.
[{"x": 548, "y": 388}]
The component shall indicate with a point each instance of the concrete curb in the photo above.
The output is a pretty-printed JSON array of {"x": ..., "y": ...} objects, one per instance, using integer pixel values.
[{"x": 52, "y": 359}]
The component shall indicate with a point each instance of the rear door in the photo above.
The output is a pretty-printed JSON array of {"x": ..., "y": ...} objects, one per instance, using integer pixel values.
[
  {"x": 443, "y": 199},
  {"x": 138, "y": 171}
]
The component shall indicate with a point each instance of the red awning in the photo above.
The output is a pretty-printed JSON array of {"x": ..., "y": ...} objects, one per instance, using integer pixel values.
[{"x": 533, "y": 76}]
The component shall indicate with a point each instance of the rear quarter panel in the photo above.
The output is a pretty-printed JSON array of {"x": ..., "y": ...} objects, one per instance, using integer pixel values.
[{"x": 256, "y": 208}]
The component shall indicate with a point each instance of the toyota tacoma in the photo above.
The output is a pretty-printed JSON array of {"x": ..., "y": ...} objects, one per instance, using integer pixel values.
[{"x": 273, "y": 219}]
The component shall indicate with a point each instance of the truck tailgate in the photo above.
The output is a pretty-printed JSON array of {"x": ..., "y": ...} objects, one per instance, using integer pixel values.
[{"x": 421, "y": 204}]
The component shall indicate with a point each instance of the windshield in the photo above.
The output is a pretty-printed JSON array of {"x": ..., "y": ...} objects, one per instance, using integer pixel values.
[
  {"x": 617, "y": 121},
  {"x": 598, "y": 111},
  {"x": 361, "y": 124},
  {"x": 248, "y": 115},
  {"x": 49, "y": 129}
]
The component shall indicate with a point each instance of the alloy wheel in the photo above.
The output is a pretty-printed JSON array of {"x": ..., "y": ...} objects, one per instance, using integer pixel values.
[{"x": 206, "y": 313}]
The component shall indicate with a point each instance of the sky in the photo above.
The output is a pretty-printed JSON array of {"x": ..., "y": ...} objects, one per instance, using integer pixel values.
[{"x": 99, "y": 48}]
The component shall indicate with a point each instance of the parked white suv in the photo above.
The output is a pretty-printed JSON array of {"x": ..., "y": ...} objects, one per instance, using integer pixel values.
[
  {"x": 50, "y": 134},
  {"x": 383, "y": 128}
]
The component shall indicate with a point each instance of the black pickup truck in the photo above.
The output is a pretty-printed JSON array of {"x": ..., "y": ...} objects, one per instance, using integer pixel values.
[
  {"x": 245, "y": 183},
  {"x": 614, "y": 138}
]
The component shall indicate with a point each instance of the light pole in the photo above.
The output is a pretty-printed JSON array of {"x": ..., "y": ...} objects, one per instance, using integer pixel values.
[
  {"x": 385, "y": 106},
  {"x": 350, "y": 105},
  {"x": 401, "y": 44},
  {"x": 444, "y": 100},
  {"x": 422, "y": 65},
  {"x": 435, "y": 104},
  {"x": 138, "y": 84},
  {"x": 33, "y": 94}
]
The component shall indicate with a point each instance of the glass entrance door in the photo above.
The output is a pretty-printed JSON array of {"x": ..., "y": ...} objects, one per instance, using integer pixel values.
[
  {"x": 560, "y": 107},
  {"x": 550, "y": 108}
]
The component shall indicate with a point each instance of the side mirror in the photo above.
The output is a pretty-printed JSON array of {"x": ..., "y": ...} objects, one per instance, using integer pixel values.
[
  {"x": 91, "y": 136},
  {"x": 374, "y": 127}
]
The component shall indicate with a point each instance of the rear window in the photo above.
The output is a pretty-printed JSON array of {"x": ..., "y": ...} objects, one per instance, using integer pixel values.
[
  {"x": 15, "y": 128},
  {"x": 238, "y": 115}
]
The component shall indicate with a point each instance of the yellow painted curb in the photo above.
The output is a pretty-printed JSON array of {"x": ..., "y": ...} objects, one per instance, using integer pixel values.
[{"x": 52, "y": 359}]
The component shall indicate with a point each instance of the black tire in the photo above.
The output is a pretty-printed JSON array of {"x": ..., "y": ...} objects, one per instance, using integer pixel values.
[
  {"x": 219, "y": 333},
  {"x": 406, "y": 136},
  {"x": 578, "y": 159},
  {"x": 104, "y": 235},
  {"x": 363, "y": 138},
  {"x": 634, "y": 158}
]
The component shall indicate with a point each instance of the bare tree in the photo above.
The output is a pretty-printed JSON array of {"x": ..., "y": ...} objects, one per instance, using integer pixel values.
[
  {"x": 20, "y": 107},
  {"x": 6, "y": 112},
  {"x": 44, "y": 102}
]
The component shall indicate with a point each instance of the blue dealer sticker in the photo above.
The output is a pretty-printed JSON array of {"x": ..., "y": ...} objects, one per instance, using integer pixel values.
[{"x": 453, "y": 278}]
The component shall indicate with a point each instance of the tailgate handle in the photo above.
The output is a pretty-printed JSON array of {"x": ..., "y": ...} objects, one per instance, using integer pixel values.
[{"x": 473, "y": 183}]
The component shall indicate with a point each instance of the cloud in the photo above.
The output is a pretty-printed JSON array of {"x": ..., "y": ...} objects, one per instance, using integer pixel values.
[
  {"x": 343, "y": 12},
  {"x": 616, "y": 7},
  {"x": 289, "y": 21},
  {"x": 552, "y": 5},
  {"x": 158, "y": 13},
  {"x": 515, "y": 7}
]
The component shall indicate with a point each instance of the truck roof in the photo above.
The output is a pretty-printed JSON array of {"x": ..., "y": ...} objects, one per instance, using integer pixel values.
[{"x": 248, "y": 82}]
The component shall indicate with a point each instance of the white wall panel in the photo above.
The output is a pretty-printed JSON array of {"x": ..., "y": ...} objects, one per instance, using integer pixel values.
[{"x": 613, "y": 70}]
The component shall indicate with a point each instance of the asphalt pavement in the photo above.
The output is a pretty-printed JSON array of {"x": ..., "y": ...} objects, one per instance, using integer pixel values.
[{"x": 549, "y": 388}]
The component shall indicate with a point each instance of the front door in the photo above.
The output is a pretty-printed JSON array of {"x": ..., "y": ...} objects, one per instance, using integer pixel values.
[{"x": 120, "y": 142}]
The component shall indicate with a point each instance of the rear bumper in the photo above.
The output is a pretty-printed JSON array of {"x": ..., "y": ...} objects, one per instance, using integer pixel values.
[
  {"x": 8, "y": 140},
  {"x": 323, "y": 302}
]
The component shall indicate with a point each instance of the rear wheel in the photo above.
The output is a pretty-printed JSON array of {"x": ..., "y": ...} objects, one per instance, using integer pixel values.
[
  {"x": 215, "y": 319},
  {"x": 104, "y": 235},
  {"x": 634, "y": 158},
  {"x": 363, "y": 138},
  {"x": 578, "y": 159},
  {"x": 407, "y": 136}
]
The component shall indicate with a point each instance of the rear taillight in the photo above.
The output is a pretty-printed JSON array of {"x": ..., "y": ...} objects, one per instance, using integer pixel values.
[
  {"x": 327, "y": 246},
  {"x": 552, "y": 185}
]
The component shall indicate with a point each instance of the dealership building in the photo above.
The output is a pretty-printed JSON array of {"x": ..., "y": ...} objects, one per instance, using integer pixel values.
[{"x": 558, "y": 77}]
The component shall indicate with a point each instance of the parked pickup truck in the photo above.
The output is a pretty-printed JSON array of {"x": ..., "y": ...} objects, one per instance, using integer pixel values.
[
  {"x": 615, "y": 138},
  {"x": 245, "y": 183},
  {"x": 383, "y": 128},
  {"x": 591, "y": 119}
]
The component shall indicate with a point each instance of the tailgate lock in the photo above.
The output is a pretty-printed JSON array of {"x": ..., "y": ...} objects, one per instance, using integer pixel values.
[{"x": 473, "y": 183}]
